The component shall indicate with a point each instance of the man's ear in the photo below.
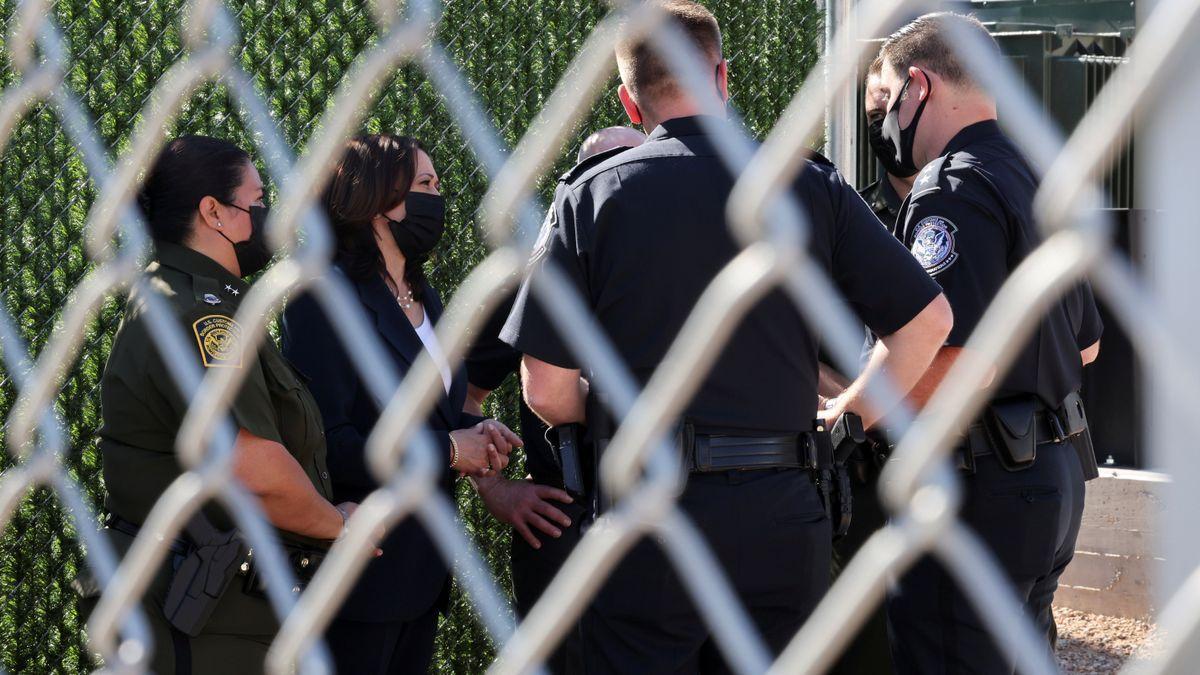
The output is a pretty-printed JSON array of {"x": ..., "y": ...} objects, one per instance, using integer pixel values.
[
  {"x": 630, "y": 105},
  {"x": 723, "y": 80},
  {"x": 921, "y": 79}
]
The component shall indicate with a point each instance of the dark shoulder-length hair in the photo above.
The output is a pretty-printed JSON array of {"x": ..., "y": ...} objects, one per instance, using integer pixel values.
[{"x": 373, "y": 176}]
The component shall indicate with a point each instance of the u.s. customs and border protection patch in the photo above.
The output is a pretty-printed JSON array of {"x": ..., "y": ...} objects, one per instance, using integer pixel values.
[
  {"x": 218, "y": 337},
  {"x": 933, "y": 244}
]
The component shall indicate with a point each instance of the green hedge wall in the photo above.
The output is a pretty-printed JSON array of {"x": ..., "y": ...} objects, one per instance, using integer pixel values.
[{"x": 296, "y": 51}]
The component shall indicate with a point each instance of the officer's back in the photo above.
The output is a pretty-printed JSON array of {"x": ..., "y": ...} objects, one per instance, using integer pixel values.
[
  {"x": 640, "y": 236},
  {"x": 660, "y": 237}
]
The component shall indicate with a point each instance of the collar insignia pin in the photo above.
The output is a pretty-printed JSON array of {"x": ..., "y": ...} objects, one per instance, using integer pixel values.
[{"x": 211, "y": 299}]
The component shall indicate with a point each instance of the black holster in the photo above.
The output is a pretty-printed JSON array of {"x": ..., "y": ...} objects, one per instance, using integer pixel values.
[
  {"x": 1011, "y": 431},
  {"x": 844, "y": 437},
  {"x": 202, "y": 575},
  {"x": 1015, "y": 427},
  {"x": 573, "y": 458},
  {"x": 599, "y": 432},
  {"x": 1075, "y": 423}
]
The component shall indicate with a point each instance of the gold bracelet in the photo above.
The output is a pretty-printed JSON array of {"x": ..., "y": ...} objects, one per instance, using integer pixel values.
[{"x": 453, "y": 451}]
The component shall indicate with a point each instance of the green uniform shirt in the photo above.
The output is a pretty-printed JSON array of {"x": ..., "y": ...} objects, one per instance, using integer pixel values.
[{"x": 143, "y": 408}]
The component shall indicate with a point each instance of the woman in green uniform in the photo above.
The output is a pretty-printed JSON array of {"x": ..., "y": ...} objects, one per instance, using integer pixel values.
[{"x": 203, "y": 199}]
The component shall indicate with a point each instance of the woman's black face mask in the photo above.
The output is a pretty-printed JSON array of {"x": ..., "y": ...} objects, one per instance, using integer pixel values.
[
  {"x": 423, "y": 225},
  {"x": 253, "y": 254}
]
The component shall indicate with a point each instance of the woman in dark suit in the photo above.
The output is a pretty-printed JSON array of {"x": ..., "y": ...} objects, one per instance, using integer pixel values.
[{"x": 387, "y": 214}]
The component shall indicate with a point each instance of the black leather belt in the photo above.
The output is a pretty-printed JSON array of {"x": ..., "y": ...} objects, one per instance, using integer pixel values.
[
  {"x": 708, "y": 453},
  {"x": 115, "y": 522}
]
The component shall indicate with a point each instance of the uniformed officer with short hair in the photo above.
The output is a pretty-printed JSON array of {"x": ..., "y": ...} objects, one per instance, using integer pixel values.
[
  {"x": 869, "y": 652},
  {"x": 546, "y": 520},
  {"x": 895, "y": 182},
  {"x": 640, "y": 236},
  {"x": 969, "y": 222},
  {"x": 203, "y": 202}
]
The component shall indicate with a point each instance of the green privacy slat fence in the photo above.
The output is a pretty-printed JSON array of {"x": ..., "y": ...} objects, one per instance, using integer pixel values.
[{"x": 512, "y": 53}]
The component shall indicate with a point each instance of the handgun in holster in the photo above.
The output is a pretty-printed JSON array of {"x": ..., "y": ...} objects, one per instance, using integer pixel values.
[
  {"x": 847, "y": 435},
  {"x": 567, "y": 441},
  {"x": 201, "y": 576},
  {"x": 843, "y": 437}
]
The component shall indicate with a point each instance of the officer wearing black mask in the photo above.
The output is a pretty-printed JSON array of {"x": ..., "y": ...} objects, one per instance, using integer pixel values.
[
  {"x": 969, "y": 222},
  {"x": 895, "y": 180},
  {"x": 196, "y": 199},
  {"x": 869, "y": 650}
]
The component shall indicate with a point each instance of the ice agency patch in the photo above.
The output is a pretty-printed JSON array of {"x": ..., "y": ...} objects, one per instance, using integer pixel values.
[
  {"x": 218, "y": 337},
  {"x": 933, "y": 244}
]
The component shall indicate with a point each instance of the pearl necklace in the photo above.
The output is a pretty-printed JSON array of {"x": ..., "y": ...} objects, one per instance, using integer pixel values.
[{"x": 406, "y": 301}]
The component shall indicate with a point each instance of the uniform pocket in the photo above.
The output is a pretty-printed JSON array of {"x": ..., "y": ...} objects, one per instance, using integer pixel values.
[
  {"x": 1021, "y": 526},
  {"x": 293, "y": 405}
]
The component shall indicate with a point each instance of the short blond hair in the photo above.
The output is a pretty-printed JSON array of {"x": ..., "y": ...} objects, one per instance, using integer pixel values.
[{"x": 643, "y": 71}]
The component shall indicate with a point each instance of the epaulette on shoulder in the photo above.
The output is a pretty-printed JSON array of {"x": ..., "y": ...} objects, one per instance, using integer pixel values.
[
  {"x": 582, "y": 167},
  {"x": 817, "y": 158},
  {"x": 929, "y": 178}
]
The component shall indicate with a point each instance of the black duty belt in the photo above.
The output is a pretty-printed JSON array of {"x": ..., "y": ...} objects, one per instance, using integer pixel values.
[
  {"x": 115, "y": 522},
  {"x": 707, "y": 453},
  {"x": 1047, "y": 429},
  {"x": 1045, "y": 425}
]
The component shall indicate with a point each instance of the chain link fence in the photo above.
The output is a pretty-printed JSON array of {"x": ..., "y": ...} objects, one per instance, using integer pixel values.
[{"x": 512, "y": 55}]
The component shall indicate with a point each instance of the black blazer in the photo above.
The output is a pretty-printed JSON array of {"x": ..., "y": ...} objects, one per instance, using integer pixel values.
[{"x": 411, "y": 576}]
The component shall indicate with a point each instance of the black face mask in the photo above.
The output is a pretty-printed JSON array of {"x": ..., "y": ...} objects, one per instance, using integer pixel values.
[
  {"x": 884, "y": 151},
  {"x": 421, "y": 230},
  {"x": 901, "y": 140},
  {"x": 252, "y": 254}
]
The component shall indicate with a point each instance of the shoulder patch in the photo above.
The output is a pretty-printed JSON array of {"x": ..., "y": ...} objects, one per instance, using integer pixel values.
[
  {"x": 218, "y": 337},
  {"x": 933, "y": 244}
]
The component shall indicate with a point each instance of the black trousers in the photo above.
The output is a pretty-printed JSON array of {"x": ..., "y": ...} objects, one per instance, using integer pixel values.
[
  {"x": 1029, "y": 520},
  {"x": 532, "y": 571},
  {"x": 385, "y": 648},
  {"x": 869, "y": 652},
  {"x": 771, "y": 535}
]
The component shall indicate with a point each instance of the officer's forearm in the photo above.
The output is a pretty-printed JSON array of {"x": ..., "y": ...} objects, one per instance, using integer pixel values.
[
  {"x": 286, "y": 494},
  {"x": 903, "y": 358},
  {"x": 932, "y": 379}
]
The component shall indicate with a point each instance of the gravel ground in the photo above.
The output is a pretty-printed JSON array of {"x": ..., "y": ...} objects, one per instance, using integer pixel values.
[{"x": 1092, "y": 644}]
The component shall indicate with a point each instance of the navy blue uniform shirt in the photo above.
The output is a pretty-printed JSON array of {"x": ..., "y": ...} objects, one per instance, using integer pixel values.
[
  {"x": 643, "y": 233},
  {"x": 969, "y": 222}
]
